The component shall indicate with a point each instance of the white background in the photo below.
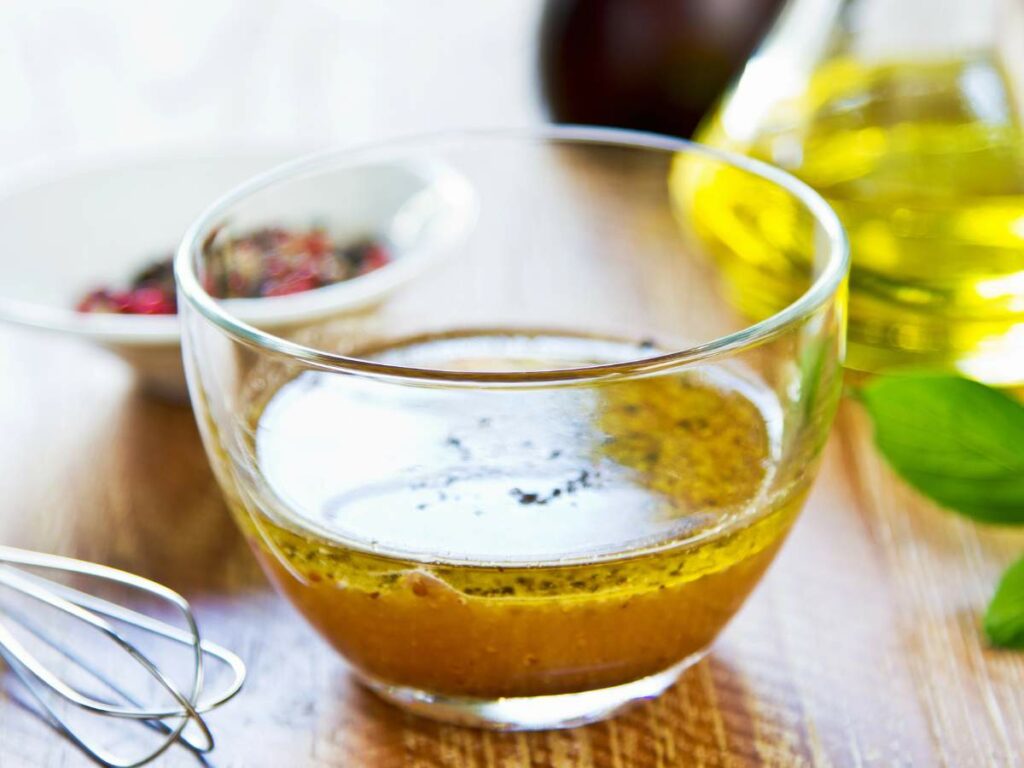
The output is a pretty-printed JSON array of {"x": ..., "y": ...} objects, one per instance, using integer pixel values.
[{"x": 95, "y": 77}]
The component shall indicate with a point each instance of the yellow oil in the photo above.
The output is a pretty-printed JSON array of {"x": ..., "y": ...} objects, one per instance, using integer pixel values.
[
  {"x": 924, "y": 163},
  {"x": 516, "y": 542}
]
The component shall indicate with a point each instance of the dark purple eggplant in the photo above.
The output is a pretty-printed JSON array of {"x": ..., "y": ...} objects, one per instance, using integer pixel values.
[{"x": 655, "y": 65}]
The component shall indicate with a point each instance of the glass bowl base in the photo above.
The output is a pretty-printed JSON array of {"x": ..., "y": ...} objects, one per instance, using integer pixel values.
[{"x": 530, "y": 713}]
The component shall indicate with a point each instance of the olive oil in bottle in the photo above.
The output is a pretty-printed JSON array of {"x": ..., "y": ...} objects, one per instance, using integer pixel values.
[{"x": 923, "y": 160}]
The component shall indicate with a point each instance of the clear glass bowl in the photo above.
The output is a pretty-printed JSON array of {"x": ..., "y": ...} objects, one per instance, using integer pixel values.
[{"x": 530, "y": 481}]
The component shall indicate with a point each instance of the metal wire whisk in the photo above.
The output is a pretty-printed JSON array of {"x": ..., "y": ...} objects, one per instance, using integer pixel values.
[{"x": 169, "y": 721}]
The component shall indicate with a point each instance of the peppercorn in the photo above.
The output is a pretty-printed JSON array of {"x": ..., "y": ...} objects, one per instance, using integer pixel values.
[{"x": 268, "y": 262}]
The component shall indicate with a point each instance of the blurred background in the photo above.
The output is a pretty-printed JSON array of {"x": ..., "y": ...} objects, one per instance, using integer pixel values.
[
  {"x": 96, "y": 76},
  {"x": 904, "y": 114},
  {"x": 99, "y": 76}
]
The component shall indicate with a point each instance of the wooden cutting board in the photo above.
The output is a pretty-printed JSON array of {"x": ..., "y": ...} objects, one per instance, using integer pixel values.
[{"x": 861, "y": 647}]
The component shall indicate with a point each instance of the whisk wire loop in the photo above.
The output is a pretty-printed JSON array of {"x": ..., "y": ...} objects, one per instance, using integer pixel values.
[{"x": 96, "y": 612}]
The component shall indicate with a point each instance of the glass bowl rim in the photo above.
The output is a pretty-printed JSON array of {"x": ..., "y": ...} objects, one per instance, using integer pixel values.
[{"x": 824, "y": 287}]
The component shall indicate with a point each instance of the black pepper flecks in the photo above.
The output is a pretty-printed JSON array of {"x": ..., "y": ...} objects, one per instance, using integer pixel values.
[
  {"x": 585, "y": 479},
  {"x": 453, "y": 442}
]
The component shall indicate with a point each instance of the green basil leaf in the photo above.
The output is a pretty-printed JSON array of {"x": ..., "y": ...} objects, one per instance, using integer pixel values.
[
  {"x": 958, "y": 442},
  {"x": 1004, "y": 620}
]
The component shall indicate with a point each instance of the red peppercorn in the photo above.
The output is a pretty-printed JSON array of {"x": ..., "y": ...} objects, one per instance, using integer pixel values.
[
  {"x": 99, "y": 300},
  {"x": 150, "y": 300},
  {"x": 374, "y": 257},
  {"x": 291, "y": 284},
  {"x": 316, "y": 243},
  {"x": 266, "y": 262}
]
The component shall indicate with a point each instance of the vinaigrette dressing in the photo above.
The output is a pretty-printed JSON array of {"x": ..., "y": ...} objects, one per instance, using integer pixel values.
[{"x": 516, "y": 542}]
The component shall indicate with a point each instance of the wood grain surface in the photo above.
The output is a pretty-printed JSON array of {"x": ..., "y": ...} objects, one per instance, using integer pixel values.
[{"x": 861, "y": 647}]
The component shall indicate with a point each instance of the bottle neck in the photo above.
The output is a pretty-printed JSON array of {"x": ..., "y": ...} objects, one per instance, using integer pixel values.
[
  {"x": 873, "y": 30},
  {"x": 809, "y": 33},
  {"x": 886, "y": 30}
]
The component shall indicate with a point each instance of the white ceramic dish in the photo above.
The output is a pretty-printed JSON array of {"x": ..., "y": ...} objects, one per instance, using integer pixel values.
[{"x": 70, "y": 231}]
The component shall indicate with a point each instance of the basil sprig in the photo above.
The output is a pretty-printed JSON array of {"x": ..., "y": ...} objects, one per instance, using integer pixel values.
[
  {"x": 961, "y": 444},
  {"x": 1004, "y": 620}
]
